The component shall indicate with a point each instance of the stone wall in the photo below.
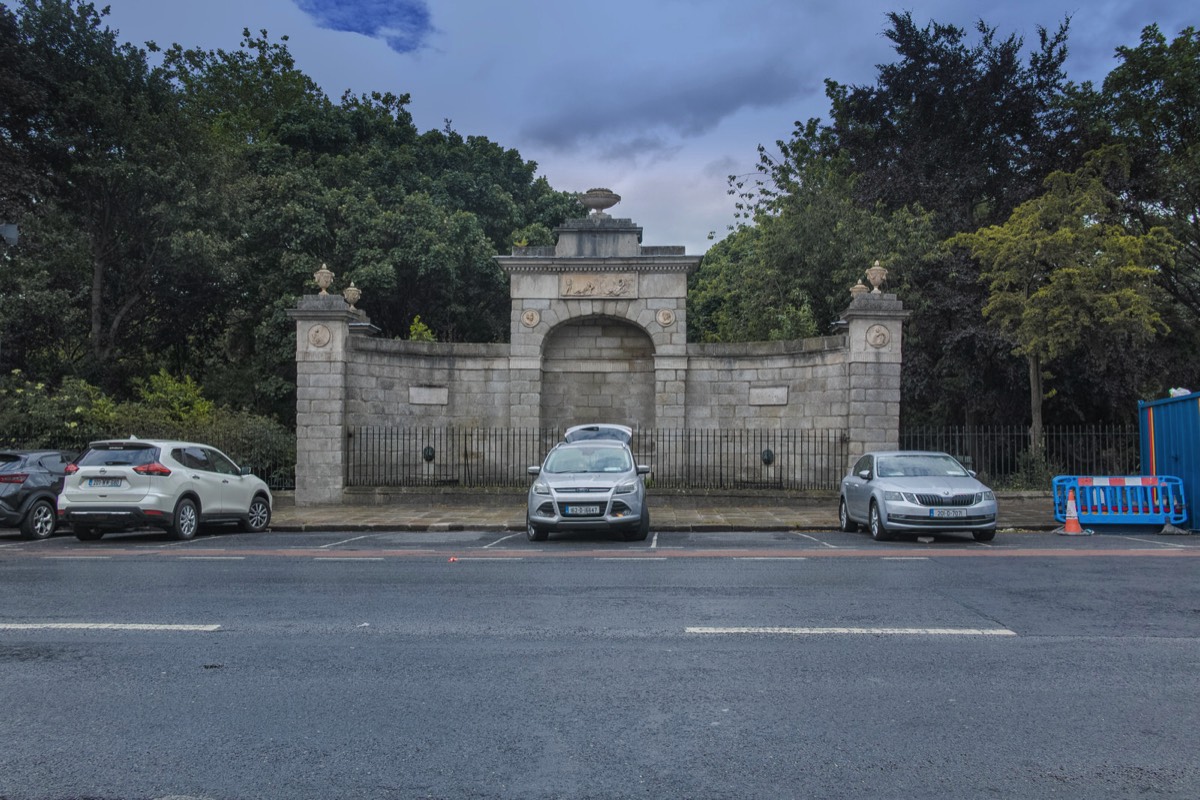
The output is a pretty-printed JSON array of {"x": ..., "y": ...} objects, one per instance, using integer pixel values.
[{"x": 598, "y": 333}]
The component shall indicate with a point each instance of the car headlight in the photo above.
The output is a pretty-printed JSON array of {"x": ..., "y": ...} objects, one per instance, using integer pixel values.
[
  {"x": 541, "y": 488},
  {"x": 625, "y": 488},
  {"x": 907, "y": 497},
  {"x": 984, "y": 497}
]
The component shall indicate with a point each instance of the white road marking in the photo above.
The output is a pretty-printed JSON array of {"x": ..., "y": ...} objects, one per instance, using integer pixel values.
[
  {"x": 770, "y": 558},
  {"x": 498, "y": 541},
  {"x": 78, "y": 558},
  {"x": 815, "y": 539},
  {"x": 905, "y": 558},
  {"x": 489, "y": 558},
  {"x": 343, "y": 541},
  {"x": 654, "y": 541},
  {"x": 346, "y": 558},
  {"x": 631, "y": 558},
  {"x": 859, "y": 631},
  {"x": 212, "y": 558},
  {"x": 104, "y": 626},
  {"x": 1152, "y": 541}
]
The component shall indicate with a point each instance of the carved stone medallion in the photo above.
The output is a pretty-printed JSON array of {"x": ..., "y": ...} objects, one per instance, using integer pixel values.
[
  {"x": 665, "y": 317},
  {"x": 878, "y": 336},
  {"x": 530, "y": 318},
  {"x": 319, "y": 335}
]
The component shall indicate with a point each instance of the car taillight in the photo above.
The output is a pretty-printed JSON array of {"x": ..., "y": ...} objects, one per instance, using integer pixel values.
[
  {"x": 153, "y": 468},
  {"x": 71, "y": 469},
  {"x": 13, "y": 477}
]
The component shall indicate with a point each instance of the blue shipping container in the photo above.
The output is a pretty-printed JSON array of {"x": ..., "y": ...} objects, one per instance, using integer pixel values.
[{"x": 1170, "y": 442}]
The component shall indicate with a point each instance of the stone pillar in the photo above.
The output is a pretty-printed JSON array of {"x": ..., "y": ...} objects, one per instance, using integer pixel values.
[
  {"x": 874, "y": 331},
  {"x": 323, "y": 329}
]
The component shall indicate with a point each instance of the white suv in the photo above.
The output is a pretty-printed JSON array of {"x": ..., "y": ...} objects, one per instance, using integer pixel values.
[{"x": 177, "y": 486}]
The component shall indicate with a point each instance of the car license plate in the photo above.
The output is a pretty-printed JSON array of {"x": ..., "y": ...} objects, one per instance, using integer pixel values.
[
  {"x": 104, "y": 483},
  {"x": 581, "y": 511},
  {"x": 943, "y": 513}
]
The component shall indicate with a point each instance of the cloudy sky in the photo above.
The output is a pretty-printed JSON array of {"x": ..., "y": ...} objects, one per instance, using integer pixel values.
[{"x": 659, "y": 100}]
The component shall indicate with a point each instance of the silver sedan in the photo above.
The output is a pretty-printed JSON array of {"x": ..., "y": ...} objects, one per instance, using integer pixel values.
[{"x": 912, "y": 490}]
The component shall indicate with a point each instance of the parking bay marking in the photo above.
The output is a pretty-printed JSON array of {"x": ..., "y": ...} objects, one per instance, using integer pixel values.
[{"x": 855, "y": 631}]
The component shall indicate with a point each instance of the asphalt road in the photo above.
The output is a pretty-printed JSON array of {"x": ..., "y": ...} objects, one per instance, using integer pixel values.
[{"x": 479, "y": 665}]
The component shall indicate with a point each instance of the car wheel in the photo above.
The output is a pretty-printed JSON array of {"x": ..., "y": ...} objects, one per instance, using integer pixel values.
[
  {"x": 185, "y": 520},
  {"x": 40, "y": 522},
  {"x": 535, "y": 533},
  {"x": 984, "y": 536},
  {"x": 640, "y": 533},
  {"x": 846, "y": 524},
  {"x": 258, "y": 517},
  {"x": 878, "y": 531},
  {"x": 88, "y": 534}
]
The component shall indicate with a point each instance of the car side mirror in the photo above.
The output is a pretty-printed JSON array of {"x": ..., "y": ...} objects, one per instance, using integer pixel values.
[
  {"x": 642, "y": 469},
  {"x": 244, "y": 471},
  {"x": 865, "y": 474},
  {"x": 971, "y": 472},
  {"x": 534, "y": 470}
]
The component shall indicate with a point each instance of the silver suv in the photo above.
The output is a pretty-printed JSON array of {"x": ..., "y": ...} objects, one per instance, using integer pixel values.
[
  {"x": 177, "y": 486},
  {"x": 592, "y": 484}
]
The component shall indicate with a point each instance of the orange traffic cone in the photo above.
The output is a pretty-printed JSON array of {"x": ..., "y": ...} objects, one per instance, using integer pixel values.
[{"x": 1072, "y": 528}]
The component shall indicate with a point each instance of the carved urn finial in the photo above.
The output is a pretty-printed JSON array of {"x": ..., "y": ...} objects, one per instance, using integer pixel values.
[
  {"x": 352, "y": 294},
  {"x": 323, "y": 277},
  {"x": 597, "y": 200},
  {"x": 876, "y": 275},
  {"x": 858, "y": 289}
]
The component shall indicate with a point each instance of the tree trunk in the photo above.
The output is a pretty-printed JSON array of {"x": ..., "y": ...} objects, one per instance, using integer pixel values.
[{"x": 1036, "y": 439}]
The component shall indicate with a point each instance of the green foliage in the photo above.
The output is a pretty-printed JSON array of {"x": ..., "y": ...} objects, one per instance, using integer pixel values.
[
  {"x": 420, "y": 332},
  {"x": 33, "y": 414}
]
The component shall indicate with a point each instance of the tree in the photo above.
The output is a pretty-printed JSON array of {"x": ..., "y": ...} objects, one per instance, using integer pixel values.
[
  {"x": 1066, "y": 271},
  {"x": 1152, "y": 101}
]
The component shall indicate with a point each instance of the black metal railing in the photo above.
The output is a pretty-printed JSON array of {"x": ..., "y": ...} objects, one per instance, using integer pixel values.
[
  {"x": 1003, "y": 457},
  {"x": 679, "y": 459}
]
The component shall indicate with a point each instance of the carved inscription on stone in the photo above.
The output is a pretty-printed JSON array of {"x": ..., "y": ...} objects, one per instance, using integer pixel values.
[{"x": 591, "y": 284}]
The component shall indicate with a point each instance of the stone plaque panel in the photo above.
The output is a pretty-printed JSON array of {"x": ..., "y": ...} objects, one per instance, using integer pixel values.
[{"x": 623, "y": 285}]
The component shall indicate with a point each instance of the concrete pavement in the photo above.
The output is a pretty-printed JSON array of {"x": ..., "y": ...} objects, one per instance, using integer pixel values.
[{"x": 506, "y": 512}]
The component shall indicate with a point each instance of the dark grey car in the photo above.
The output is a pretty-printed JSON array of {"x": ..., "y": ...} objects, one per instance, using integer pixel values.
[{"x": 30, "y": 481}]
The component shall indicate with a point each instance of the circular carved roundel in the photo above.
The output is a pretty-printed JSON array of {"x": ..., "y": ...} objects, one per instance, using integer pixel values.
[
  {"x": 531, "y": 318},
  {"x": 319, "y": 335},
  {"x": 878, "y": 336},
  {"x": 665, "y": 317}
]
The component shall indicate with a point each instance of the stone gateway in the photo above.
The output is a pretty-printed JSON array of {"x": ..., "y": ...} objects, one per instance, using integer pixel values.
[{"x": 598, "y": 334}]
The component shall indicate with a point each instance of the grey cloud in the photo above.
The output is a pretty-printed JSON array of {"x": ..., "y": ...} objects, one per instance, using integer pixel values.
[
  {"x": 403, "y": 24},
  {"x": 690, "y": 106}
]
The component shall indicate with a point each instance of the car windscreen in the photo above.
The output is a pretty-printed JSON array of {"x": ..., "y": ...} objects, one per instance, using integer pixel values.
[
  {"x": 10, "y": 461},
  {"x": 589, "y": 459},
  {"x": 594, "y": 432},
  {"x": 919, "y": 466},
  {"x": 119, "y": 455}
]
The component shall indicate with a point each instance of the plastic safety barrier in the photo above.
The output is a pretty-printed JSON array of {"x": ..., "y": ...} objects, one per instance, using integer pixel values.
[{"x": 1128, "y": 500}]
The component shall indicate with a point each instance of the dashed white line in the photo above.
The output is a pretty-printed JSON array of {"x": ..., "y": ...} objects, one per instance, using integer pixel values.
[
  {"x": 212, "y": 558},
  {"x": 905, "y": 558},
  {"x": 770, "y": 558},
  {"x": 631, "y": 558},
  {"x": 104, "y": 626},
  {"x": 858, "y": 631},
  {"x": 346, "y": 558}
]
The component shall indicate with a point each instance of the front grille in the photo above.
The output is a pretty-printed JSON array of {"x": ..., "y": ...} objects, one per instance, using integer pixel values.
[
  {"x": 582, "y": 489},
  {"x": 941, "y": 500}
]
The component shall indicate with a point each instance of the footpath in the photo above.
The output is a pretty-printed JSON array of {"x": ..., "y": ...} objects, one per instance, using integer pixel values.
[{"x": 1018, "y": 512}]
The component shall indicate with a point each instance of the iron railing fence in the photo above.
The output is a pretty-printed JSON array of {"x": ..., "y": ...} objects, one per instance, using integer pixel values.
[
  {"x": 679, "y": 459},
  {"x": 269, "y": 455},
  {"x": 1003, "y": 458}
]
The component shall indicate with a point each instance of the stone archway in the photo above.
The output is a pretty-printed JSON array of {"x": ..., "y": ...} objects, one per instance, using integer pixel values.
[{"x": 598, "y": 369}]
